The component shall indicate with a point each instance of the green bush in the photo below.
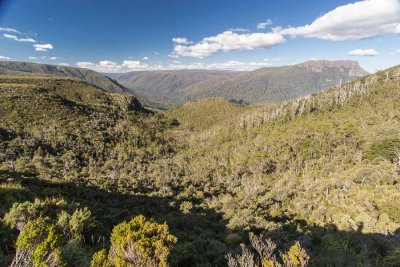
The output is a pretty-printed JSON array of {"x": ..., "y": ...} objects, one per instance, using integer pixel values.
[
  {"x": 20, "y": 213},
  {"x": 142, "y": 241},
  {"x": 39, "y": 244},
  {"x": 100, "y": 259},
  {"x": 76, "y": 224},
  {"x": 76, "y": 254},
  {"x": 385, "y": 148}
]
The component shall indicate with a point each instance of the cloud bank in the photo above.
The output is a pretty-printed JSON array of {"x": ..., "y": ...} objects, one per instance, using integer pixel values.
[
  {"x": 7, "y": 29},
  {"x": 264, "y": 24},
  {"x": 43, "y": 47},
  {"x": 360, "y": 20},
  {"x": 356, "y": 21},
  {"x": 228, "y": 41},
  {"x": 15, "y": 38},
  {"x": 363, "y": 52},
  {"x": 106, "y": 66}
]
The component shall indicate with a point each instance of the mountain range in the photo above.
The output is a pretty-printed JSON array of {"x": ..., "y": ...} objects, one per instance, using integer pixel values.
[
  {"x": 171, "y": 88},
  {"x": 94, "y": 78}
]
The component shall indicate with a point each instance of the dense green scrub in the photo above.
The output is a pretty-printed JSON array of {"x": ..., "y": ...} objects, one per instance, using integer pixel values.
[{"x": 321, "y": 170}]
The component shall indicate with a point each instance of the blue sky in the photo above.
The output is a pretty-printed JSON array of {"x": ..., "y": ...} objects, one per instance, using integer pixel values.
[{"x": 122, "y": 35}]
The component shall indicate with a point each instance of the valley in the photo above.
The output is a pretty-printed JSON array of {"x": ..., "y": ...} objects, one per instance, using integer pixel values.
[{"x": 321, "y": 170}]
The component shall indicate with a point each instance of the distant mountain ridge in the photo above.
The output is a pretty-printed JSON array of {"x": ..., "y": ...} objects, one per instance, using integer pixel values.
[
  {"x": 171, "y": 88},
  {"x": 353, "y": 68},
  {"x": 94, "y": 78},
  {"x": 165, "y": 86},
  {"x": 270, "y": 84}
]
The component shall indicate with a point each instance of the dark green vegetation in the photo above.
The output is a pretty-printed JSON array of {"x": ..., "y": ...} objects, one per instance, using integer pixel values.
[
  {"x": 165, "y": 87},
  {"x": 171, "y": 88},
  {"x": 314, "y": 180},
  {"x": 34, "y": 69}
]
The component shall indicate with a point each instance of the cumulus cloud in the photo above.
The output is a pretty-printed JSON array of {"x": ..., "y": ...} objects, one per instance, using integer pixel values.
[
  {"x": 43, "y": 47},
  {"x": 145, "y": 58},
  {"x": 356, "y": 21},
  {"x": 32, "y": 58},
  {"x": 264, "y": 24},
  {"x": 3, "y": 57},
  {"x": 238, "y": 30},
  {"x": 228, "y": 41},
  {"x": 236, "y": 65},
  {"x": 134, "y": 65},
  {"x": 7, "y": 29},
  {"x": 363, "y": 52},
  {"x": 180, "y": 40},
  {"x": 173, "y": 55},
  {"x": 228, "y": 65},
  {"x": 54, "y": 58},
  {"x": 15, "y": 38},
  {"x": 107, "y": 66}
]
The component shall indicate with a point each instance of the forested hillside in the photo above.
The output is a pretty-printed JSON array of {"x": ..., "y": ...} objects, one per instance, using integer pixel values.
[
  {"x": 89, "y": 76},
  {"x": 165, "y": 87},
  {"x": 172, "y": 88},
  {"x": 313, "y": 181}
]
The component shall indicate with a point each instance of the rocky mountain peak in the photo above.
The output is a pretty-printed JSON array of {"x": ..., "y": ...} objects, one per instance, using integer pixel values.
[{"x": 353, "y": 68}]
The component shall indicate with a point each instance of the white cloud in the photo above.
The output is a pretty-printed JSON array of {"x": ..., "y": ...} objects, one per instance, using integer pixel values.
[
  {"x": 54, "y": 58},
  {"x": 63, "y": 64},
  {"x": 107, "y": 66},
  {"x": 228, "y": 41},
  {"x": 134, "y": 65},
  {"x": 145, "y": 58},
  {"x": 398, "y": 51},
  {"x": 15, "y": 38},
  {"x": 43, "y": 47},
  {"x": 360, "y": 20},
  {"x": 236, "y": 65},
  {"x": 264, "y": 24},
  {"x": 238, "y": 30},
  {"x": 363, "y": 52},
  {"x": 7, "y": 29},
  {"x": 228, "y": 65},
  {"x": 157, "y": 53},
  {"x": 3, "y": 57},
  {"x": 85, "y": 64},
  {"x": 182, "y": 40},
  {"x": 32, "y": 58}
]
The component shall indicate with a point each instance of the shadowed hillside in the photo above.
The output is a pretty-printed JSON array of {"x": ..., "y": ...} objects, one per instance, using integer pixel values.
[{"x": 89, "y": 76}]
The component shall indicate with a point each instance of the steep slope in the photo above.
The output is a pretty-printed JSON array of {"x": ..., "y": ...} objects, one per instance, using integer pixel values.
[
  {"x": 163, "y": 86},
  {"x": 205, "y": 113},
  {"x": 70, "y": 149},
  {"x": 175, "y": 87},
  {"x": 323, "y": 168},
  {"x": 278, "y": 83},
  {"x": 89, "y": 76}
]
